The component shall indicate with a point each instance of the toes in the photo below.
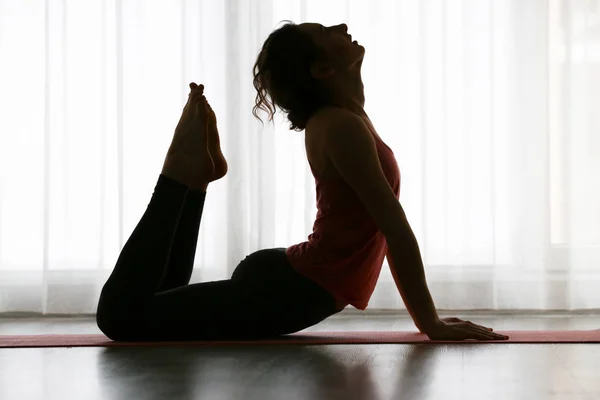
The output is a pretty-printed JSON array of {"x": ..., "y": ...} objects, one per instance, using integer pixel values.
[
  {"x": 194, "y": 89},
  {"x": 197, "y": 94}
]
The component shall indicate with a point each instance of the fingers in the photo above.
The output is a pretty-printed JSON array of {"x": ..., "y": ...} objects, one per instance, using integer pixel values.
[
  {"x": 458, "y": 320},
  {"x": 482, "y": 333},
  {"x": 452, "y": 319},
  {"x": 457, "y": 329},
  {"x": 481, "y": 326},
  {"x": 468, "y": 322}
]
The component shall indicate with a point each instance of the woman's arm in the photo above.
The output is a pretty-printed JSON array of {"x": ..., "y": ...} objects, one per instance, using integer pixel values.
[
  {"x": 352, "y": 150},
  {"x": 417, "y": 298}
]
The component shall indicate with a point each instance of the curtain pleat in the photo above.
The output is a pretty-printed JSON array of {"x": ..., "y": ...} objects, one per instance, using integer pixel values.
[{"x": 490, "y": 108}]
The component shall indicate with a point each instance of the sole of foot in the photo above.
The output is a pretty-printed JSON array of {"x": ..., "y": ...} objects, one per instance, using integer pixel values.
[{"x": 214, "y": 148}]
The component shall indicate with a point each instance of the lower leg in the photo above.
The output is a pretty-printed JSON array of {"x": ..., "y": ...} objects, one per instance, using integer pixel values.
[
  {"x": 183, "y": 251},
  {"x": 144, "y": 258},
  {"x": 181, "y": 262}
]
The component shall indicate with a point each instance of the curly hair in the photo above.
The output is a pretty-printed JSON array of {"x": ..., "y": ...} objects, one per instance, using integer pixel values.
[{"x": 282, "y": 71}]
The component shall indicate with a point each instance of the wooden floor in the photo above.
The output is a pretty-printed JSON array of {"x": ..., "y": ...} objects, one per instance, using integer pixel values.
[{"x": 468, "y": 371}]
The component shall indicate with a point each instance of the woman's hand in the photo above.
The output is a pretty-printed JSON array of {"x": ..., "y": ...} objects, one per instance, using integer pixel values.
[{"x": 457, "y": 329}]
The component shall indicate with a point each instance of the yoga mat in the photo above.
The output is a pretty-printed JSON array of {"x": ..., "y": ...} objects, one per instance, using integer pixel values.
[{"x": 305, "y": 338}]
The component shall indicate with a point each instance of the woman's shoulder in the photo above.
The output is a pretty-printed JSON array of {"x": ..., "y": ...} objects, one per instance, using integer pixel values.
[{"x": 325, "y": 116}]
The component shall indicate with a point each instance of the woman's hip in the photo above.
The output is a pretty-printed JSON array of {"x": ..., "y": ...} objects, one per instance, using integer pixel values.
[{"x": 269, "y": 271}]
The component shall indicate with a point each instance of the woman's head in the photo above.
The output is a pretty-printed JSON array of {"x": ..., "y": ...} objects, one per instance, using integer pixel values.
[{"x": 300, "y": 67}]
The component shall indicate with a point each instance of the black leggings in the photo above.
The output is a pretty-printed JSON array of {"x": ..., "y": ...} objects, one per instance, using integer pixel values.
[{"x": 148, "y": 296}]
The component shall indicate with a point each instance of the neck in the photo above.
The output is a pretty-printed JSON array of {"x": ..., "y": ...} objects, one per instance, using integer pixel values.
[{"x": 348, "y": 92}]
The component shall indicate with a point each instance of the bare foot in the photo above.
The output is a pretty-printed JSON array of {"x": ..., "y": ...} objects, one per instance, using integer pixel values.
[
  {"x": 188, "y": 160},
  {"x": 214, "y": 146}
]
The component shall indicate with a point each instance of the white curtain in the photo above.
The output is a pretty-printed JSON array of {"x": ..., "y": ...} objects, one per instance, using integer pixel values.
[{"x": 491, "y": 107}]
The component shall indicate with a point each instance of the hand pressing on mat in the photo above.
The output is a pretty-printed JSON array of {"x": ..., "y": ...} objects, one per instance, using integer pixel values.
[{"x": 457, "y": 329}]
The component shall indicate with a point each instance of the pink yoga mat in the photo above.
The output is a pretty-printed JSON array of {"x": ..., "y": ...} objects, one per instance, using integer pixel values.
[{"x": 305, "y": 338}]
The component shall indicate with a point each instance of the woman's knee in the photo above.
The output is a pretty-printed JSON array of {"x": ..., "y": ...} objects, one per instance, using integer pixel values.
[
  {"x": 114, "y": 327},
  {"x": 111, "y": 319},
  {"x": 106, "y": 325},
  {"x": 106, "y": 321}
]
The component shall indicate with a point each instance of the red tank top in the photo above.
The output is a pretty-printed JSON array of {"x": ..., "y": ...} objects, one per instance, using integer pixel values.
[{"x": 345, "y": 251}]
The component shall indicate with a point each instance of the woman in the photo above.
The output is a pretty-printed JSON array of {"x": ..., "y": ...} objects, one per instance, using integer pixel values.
[{"x": 313, "y": 73}]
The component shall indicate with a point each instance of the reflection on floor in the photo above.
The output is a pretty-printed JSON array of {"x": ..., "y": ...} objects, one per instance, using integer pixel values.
[{"x": 508, "y": 372}]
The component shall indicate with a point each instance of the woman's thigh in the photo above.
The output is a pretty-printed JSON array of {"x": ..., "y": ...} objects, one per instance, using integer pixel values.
[
  {"x": 294, "y": 301},
  {"x": 264, "y": 298}
]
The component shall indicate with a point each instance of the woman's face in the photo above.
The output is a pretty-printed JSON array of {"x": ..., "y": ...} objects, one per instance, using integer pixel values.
[{"x": 337, "y": 44}]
